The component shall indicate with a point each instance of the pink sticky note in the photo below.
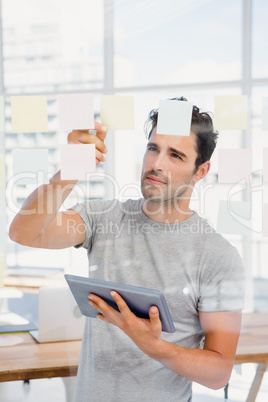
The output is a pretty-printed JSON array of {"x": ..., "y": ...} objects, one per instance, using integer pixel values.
[
  {"x": 265, "y": 220},
  {"x": 76, "y": 111},
  {"x": 77, "y": 160},
  {"x": 234, "y": 165}
]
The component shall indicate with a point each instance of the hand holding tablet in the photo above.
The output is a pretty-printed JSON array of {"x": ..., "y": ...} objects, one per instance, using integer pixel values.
[{"x": 138, "y": 299}]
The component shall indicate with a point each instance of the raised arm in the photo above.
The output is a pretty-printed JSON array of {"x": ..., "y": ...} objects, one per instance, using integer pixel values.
[{"x": 39, "y": 222}]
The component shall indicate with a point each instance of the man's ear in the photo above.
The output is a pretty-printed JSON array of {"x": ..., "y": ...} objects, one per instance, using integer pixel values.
[{"x": 201, "y": 171}]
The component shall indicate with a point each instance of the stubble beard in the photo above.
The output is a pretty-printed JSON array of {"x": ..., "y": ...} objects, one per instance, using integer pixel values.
[{"x": 166, "y": 196}]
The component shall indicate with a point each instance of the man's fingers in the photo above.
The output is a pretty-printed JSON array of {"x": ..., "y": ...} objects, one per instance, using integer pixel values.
[
  {"x": 154, "y": 318},
  {"x": 101, "y": 130},
  {"x": 99, "y": 156},
  {"x": 121, "y": 304},
  {"x": 101, "y": 305},
  {"x": 89, "y": 138}
]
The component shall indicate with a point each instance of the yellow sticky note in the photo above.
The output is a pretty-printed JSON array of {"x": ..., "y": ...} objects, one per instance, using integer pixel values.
[
  {"x": 29, "y": 113},
  {"x": 2, "y": 172},
  {"x": 117, "y": 112},
  {"x": 2, "y": 266},
  {"x": 231, "y": 112}
]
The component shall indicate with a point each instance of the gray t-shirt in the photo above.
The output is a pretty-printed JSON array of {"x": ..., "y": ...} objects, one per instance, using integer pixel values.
[{"x": 195, "y": 268}]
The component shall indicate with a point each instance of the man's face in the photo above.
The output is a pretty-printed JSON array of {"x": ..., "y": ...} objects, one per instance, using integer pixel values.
[{"x": 168, "y": 167}]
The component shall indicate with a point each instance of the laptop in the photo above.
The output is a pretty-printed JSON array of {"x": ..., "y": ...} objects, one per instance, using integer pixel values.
[{"x": 59, "y": 317}]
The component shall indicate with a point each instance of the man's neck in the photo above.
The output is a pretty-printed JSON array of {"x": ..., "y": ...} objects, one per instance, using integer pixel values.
[{"x": 166, "y": 212}]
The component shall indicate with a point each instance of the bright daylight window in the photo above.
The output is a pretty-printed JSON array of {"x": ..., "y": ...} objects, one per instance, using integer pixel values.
[
  {"x": 192, "y": 48},
  {"x": 48, "y": 48}
]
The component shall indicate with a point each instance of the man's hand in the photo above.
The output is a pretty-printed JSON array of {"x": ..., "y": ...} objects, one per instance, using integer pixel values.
[
  {"x": 210, "y": 366},
  {"x": 144, "y": 332},
  {"x": 87, "y": 137}
]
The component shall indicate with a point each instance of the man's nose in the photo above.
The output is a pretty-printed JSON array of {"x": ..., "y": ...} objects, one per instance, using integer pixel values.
[{"x": 159, "y": 163}]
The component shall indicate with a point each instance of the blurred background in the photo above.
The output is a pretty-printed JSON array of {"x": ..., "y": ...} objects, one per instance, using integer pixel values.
[{"x": 152, "y": 50}]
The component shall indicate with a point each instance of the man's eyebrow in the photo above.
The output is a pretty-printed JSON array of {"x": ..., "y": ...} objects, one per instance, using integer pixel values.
[
  {"x": 176, "y": 151},
  {"x": 149, "y": 144}
]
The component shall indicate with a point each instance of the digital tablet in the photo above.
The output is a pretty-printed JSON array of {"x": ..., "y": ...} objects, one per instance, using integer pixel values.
[{"x": 138, "y": 299}]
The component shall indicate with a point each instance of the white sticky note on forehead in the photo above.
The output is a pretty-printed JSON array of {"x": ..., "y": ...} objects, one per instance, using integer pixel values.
[
  {"x": 77, "y": 160},
  {"x": 234, "y": 165},
  {"x": 76, "y": 111},
  {"x": 231, "y": 112},
  {"x": 117, "y": 112},
  {"x": 174, "y": 117},
  {"x": 265, "y": 113},
  {"x": 28, "y": 164},
  {"x": 29, "y": 113}
]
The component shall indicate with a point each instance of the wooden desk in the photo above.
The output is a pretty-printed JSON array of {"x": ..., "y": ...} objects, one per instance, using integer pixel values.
[
  {"x": 30, "y": 360},
  {"x": 253, "y": 348}
]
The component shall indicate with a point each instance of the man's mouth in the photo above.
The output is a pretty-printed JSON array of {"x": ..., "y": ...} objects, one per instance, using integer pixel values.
[{"x": 155, "y": 180}]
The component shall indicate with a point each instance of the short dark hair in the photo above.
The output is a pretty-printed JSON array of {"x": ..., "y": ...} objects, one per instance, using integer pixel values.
[{"x": 201, "y": 126}]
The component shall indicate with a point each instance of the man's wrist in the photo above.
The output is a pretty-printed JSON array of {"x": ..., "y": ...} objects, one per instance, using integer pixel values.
[{"x": 158, "y": 349}]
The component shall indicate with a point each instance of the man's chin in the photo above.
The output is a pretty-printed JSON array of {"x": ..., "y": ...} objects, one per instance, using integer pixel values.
[{"x": 152, "y": 196}]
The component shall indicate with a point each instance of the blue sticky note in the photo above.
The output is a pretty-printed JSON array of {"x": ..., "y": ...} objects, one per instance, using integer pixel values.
[
  {"x": 234, "y": 217},
  {"x": 28, "y": 164}
]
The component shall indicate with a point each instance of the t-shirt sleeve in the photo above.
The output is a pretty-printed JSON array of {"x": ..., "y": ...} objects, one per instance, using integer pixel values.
[
  {"x": 95, "y": 213},
  {"x": 222, "y": 287},
  {"x": 88, "y": 219}
]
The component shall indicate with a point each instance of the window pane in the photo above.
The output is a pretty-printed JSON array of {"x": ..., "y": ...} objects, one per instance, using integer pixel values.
[
  {"x": 175, "y": 41},
  {"x": 259, "y": 39},
  {"x": 52, "y": 45},
  {"x": 259, "y": 189}
]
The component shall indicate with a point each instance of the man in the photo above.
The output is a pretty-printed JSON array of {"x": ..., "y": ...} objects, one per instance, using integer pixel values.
[{"x": 158, "y": 243}]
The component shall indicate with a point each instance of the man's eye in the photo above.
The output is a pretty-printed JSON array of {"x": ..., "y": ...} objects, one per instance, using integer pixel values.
[
  {"x": 151, "y": 148},
  {"x": 176, "y": 156}
]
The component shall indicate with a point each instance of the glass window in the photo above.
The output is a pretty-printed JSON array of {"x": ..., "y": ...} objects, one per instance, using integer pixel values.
[
  {"x": 259, "y": 39},
  {"x": 259, "y": 189},
  {"x": 175, "y": 41},
  {"x": 52, "y": 45},
  {"x": 48, "y": 47}
]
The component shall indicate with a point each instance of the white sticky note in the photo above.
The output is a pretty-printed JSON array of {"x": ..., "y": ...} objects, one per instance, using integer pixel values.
[
  {"x": 234, "y": 165},
  {"x": 76, "y": 111},
  {"x": 29, "y": 113},
  {"x": 174, "y": 117},
  {"x": 231, "y": 112},
  {"x": 29, "y": 164},
  {"x": 2, "y": 267},
  {"x": 2, "y": 172},
  {"x": 117, "y": 112},
  {"x": 265, "y": 113},
  {"x": 234, "y": 217},
  {"x": 265, "y": 220},
  {"x": 77, "y": 160},
  {"x": 2, "y": 114}
]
